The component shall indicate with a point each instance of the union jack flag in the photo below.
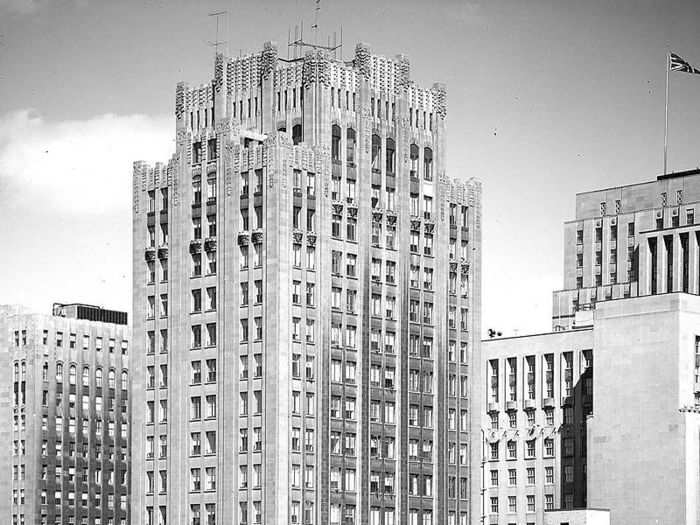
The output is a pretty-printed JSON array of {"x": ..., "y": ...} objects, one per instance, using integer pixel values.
[{"x": 678, "y": 64}]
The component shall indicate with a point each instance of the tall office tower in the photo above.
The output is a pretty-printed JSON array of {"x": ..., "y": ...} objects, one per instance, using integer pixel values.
[
  {"x": 621, "y": 240},
  {"x": 307, "y": 302},
  {"x": 64, "y": 412}
]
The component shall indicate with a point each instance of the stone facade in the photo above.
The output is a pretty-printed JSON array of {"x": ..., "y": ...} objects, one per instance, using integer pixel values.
[
  {"x": 311, "y": 278},
  {"x": 64, "y": 416}
]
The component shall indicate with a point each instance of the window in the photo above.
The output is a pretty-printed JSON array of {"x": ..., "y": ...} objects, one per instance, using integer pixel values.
[
  {"x": 335, "y": 143},
  {"x": 549, "y": 447},
  {"x": 376, "y": 153},
  {"x": 350, "y": 146},
  {"x": 428, "y": 164},
  {"x": 549, "y": 475},
  {"x": 390, "y": 156}
]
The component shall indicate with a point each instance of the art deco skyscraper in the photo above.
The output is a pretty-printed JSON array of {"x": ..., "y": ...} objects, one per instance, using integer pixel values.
[{"x": 306, "y": 302}]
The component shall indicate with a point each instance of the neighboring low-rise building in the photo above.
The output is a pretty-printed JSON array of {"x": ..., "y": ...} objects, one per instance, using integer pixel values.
[
  {"x": 538, "y": 393},
  {"x": 64, "y": 416}
]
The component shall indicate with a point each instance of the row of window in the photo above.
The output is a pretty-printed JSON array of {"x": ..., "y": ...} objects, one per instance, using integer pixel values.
[
  {"x": 20, "y": 337},
  {"x": 530, "y": 449},
  {"x": 529, "y": 375},
  {"x": 512, "y": 502}
]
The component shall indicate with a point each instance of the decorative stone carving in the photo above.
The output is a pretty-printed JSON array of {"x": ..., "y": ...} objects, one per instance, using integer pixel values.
[
  {"x": 317, "y": 67},
  {"x": 465, "y": 268},
  {"x": 415, "y": 223},
  {"x": 403, "y": 67},
  {"x": 429, "y": 226},
  {"x": 311, "y": 239},
  {"x": 243, "y": 239},
  {"x": 268, "y": 59},
  {"x": 195, "y": 247},
  {"x": 257, "y": 237},
  {"x": 162, "y": 253},
  {"x": 391, "y": 218},
  {"x": 210, "y": 244},
  {"x": 150, "y": 254},
  {"x": 363, "y": 60},
  {"x": 337, "y": 208},
  {"x": 298, "y": 236},
  {"x": 453, "y": 266},
  {"x": 352, "y": 211},
  {"x": 180, "y": 100},
  {"x": 440, "y": 99},
  {"x": 219, "y": 66},
  {"x": 377, "y": 216}
]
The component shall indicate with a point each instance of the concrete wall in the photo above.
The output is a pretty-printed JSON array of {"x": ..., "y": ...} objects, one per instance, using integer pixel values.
[
  {"x": 639, "y": 442},
  {"x": 577, "y": 517}
]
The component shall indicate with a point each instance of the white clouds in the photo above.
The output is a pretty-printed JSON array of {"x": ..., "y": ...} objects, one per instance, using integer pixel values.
[
  {"x": 77, "y": 166},
  {"x": 25, "y": 7}
]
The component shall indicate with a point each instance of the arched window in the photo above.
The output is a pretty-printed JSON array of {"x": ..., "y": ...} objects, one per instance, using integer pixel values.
[
  {"x": 335, "y": 143},
  {"x": 414, "y": 161},
  {"x": 98, "y": 377},
  {"x": 376, "y": 153},
  {"x": 112, "y": 378},
  {"x": 125, "y": 380},
  {"x": 350, "y": 146},
  {"x": 86, "y": 376},
  {"x": 59, "y": 372},
  {"x": 428, "y": 164},
  {"x": 71, "y": 375},
  {"x": 296, "y": 134},
  {"x": 390, "y": 156}
]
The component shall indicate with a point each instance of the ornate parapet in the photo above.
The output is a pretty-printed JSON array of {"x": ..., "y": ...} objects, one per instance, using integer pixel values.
[
  {"x": 403, "y": 73},
  {"x": 268, "y": 59},
  {"x": 219, "y": 70},
  {"x": 440, "y": 99},
  {"x": 180, "y": 99},
  {"x": 363, "y": 60},
  {"x": 317, "y": 67}
]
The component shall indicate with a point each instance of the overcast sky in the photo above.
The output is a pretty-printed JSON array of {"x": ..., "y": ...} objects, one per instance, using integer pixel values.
[{"x": 545, "y": 99}]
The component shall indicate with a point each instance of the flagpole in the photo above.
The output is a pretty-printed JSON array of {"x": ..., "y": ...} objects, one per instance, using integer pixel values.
[{"x": 668, "y": 66}]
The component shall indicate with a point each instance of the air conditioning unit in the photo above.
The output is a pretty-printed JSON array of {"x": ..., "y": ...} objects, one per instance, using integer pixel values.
[
  {"x": 659, "y": 214},
  {"x": 613, "y": 221}
]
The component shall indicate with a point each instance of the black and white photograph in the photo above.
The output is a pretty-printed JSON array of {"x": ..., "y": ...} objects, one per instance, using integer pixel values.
[{"x": 349, "y": 262}]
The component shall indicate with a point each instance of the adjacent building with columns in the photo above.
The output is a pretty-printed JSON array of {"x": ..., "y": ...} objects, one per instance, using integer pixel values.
[
  {"x": 628, "y": 241},
  {"x": 64, "y": 416},
  {"x": 306, "y": 302},
  {"x": 602, "y": 412}
]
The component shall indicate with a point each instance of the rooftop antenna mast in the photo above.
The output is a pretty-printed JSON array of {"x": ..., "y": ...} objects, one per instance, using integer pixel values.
[
  {"x": 299, "y": 43},
  {"x": 216, "y": 43},
  {"x": 315, "y": 24}
]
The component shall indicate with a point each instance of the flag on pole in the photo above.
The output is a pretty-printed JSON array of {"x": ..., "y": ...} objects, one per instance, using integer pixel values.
[{"x": 676, "y": 63}]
